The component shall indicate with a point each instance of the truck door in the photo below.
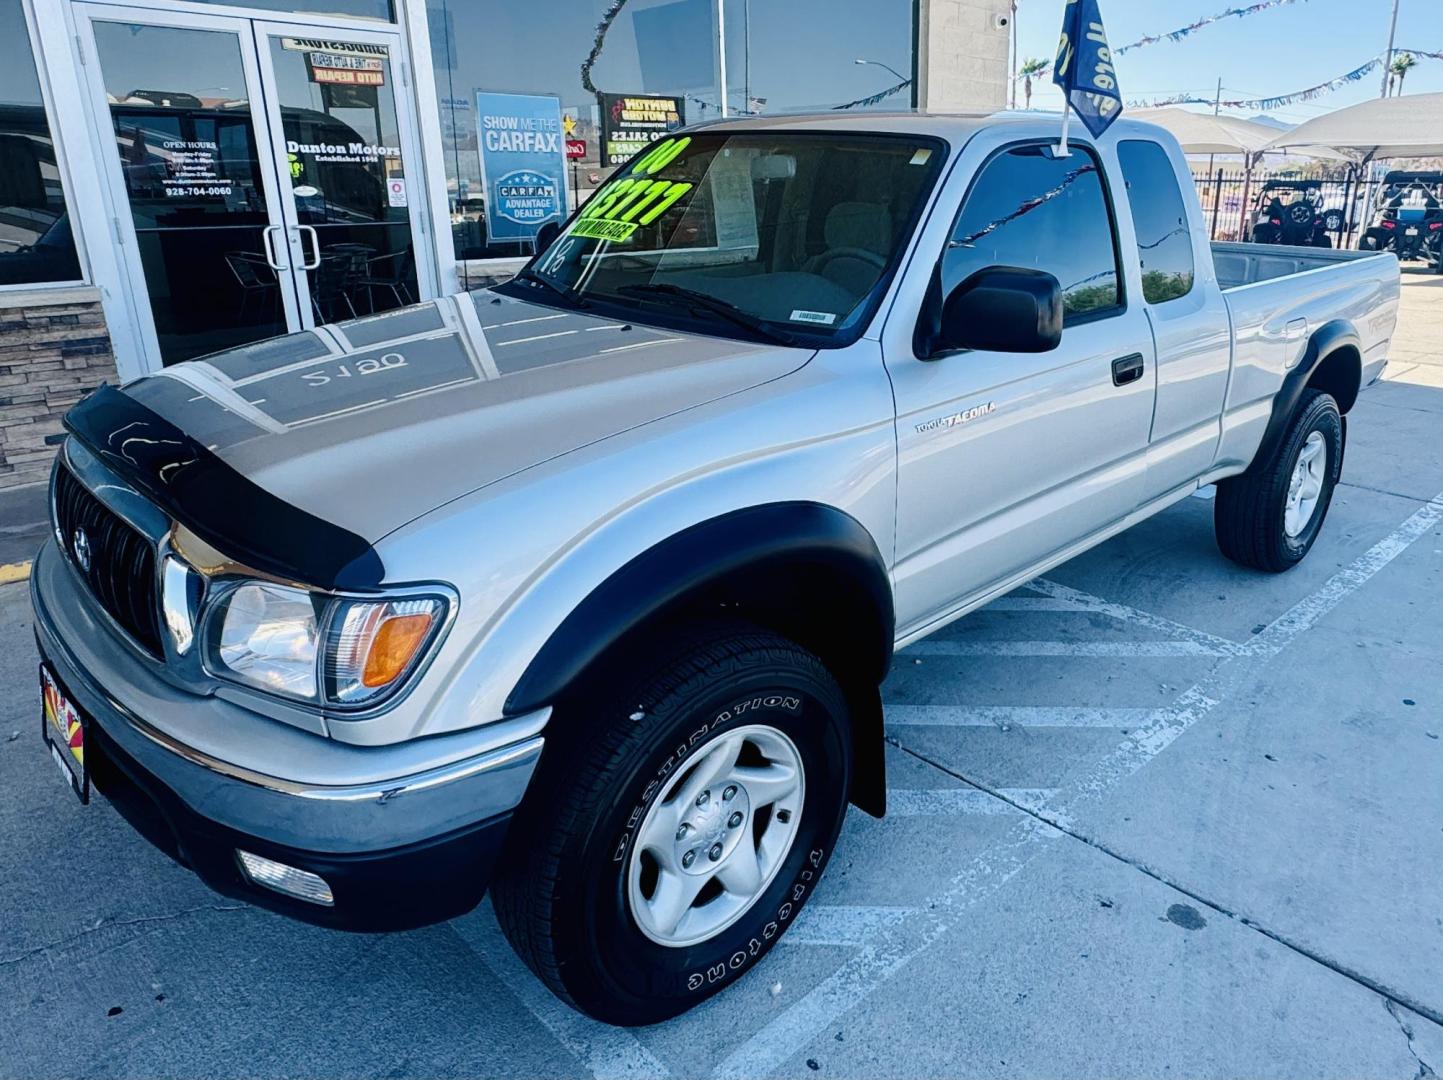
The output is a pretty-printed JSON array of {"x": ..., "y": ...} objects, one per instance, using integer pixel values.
[
  {"x": 1186, "y": 310},
  {"x": 1006, "y": 458}
]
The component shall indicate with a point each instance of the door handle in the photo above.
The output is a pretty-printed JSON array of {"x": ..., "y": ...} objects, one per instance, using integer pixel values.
[
  {"x": 272, "y": 259},
  {"x": 315, "y": 246},
  {"x": 1127, "y": 369}
]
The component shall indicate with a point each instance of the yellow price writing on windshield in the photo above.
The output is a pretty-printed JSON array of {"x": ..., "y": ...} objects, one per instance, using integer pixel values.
[{"x": 624, "y": 205}]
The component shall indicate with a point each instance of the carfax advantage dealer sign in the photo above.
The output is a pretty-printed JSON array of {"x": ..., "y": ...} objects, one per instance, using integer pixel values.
[{"x": 523, "y": 160}]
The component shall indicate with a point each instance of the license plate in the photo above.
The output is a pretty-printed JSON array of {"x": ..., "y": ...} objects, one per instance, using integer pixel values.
[
  {"x": 1412, "y": 232},
  {"x": 63, "y": 726}
]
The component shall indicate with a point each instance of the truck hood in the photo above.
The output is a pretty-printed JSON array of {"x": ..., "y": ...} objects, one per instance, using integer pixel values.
[{"x": 369, "y": 424}]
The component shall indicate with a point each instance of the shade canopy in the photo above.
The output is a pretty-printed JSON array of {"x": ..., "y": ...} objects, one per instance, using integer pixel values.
[
  {"x": 1408, "y": 126},
  {"x": 1204, "y": 133}
]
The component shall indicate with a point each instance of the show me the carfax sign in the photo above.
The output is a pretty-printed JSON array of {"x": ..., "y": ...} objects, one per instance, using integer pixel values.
[{"x": 523, "y": 161}]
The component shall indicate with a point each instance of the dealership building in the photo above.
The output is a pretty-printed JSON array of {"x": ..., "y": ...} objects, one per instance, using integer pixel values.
[{"x": 180, "y": 176}]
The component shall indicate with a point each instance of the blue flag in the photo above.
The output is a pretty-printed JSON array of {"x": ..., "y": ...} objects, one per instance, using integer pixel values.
[{"x": 1083, "y": 67}]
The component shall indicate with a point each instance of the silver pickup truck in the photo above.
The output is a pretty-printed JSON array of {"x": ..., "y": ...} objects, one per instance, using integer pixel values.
[{"x": 582, "y": 588}]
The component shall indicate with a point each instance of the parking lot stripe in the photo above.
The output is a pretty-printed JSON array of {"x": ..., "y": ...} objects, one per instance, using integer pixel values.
[
  {"x": 1105, "y": 649},
  {"x": 1033, "y": 603},
  {"x": 609, "y": 1053},
  {"x": 892, "y": 948},
  {"x": 1010, "y": 716},
  {"x": 1173, "y": 630},
  {"x": 1307, "y": 612},
  {"x": 957, "y": 802},
  {"x": 842, "y": 924}
]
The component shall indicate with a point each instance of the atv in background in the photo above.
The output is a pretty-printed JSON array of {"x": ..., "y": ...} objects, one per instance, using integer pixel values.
[
  {"x": 1291, "y": 212},
  {"x": 1408, "y": 218}
]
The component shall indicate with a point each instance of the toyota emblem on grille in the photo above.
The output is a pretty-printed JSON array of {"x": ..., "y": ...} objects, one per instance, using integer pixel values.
[{"x": 81, "y": 546}]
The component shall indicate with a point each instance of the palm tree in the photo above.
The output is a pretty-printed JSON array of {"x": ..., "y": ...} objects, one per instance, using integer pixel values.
[
  {"x": 1399, "y": 68},
  {"x": 1032, "y": 69}
]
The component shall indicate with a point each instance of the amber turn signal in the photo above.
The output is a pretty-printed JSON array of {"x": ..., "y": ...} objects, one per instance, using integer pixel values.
[{"x": 393, "y": 647}]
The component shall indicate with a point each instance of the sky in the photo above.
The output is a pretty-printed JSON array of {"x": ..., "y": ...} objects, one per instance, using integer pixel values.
[{"x": 1268, "y": 54}]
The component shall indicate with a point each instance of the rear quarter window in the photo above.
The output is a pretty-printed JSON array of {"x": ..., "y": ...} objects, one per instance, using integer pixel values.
[{"x": 1159, "y": 216}]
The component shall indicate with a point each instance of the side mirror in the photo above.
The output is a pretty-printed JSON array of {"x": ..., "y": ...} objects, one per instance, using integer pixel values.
[{"x": 1003, "y": 309}]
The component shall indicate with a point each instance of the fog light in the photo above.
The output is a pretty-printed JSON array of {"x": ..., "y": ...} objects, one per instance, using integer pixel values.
[{"x": 301, "y": 884}]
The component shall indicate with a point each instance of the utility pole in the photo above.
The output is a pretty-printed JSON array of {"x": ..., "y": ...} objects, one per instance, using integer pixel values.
[
  {"x": 1012, "y": 92},
  {"x": 1388, "y": 56}
]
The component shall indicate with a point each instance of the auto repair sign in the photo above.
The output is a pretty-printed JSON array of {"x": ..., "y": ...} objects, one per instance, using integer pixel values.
[{"x": 523, "y": 160}]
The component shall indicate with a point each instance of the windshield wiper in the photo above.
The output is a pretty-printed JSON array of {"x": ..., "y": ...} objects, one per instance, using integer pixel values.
[
  {"x": 691, "y": 298},
  {"x": 566, "y": 296}
]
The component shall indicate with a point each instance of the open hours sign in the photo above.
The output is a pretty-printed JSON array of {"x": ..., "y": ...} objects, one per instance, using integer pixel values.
[{"x": 523, "y": 158}]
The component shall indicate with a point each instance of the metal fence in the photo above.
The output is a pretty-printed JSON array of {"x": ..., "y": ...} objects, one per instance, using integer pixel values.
[{"x": 1230, "y": 197}]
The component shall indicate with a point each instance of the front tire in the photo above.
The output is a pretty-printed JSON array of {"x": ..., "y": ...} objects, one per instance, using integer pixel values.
[
  {"x": 680, "y": 819},
  {"x": 1269, "y": 517}
]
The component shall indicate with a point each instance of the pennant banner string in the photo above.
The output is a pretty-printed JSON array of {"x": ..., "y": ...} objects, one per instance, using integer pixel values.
[
  {"x": 1184, "y": 31},
  {"x": 1281, "y": 99}
]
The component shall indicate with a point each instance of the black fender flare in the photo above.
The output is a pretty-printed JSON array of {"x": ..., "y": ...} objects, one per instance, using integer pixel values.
[
  {"x": 1326, "y": 340},
  {"x": 793, "y": 538}
]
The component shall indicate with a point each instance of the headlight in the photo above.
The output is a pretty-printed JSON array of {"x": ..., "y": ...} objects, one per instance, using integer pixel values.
[
  {"x": 268, "y": 637},
  {"x": 317, "y": 648}
]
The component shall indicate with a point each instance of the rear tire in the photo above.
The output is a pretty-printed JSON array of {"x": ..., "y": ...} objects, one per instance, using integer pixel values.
[
  {"x": 611, "y": 831},
  {"x": 1269, "y": 517}
]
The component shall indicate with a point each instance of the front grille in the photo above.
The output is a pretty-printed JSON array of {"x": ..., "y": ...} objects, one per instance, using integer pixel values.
[{"x": 121, "y": 571}]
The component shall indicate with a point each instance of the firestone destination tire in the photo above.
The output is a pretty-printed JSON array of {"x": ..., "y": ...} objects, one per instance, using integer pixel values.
[{"x": 680, "y": 819}]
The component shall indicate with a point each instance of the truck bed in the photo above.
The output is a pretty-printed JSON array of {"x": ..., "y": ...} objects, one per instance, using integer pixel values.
[
  {"x": 1248, "y": 264},
  {"x": 1277, "y": 298}
]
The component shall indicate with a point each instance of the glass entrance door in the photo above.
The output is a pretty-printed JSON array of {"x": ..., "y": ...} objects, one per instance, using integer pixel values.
[
  {"x": 344, "y": 146},
  {"x": 260, "y": 175}
]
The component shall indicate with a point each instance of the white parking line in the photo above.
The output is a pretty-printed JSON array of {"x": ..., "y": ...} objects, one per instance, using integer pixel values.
[
  {"x": 1010, "y": 716},
  {"x": 1105, "y": 649},
  {"x": 892, "y": 948},
  {"x": 1032, "y": 603},
  {"x": 1088, "y": 602},
  {"x": 609, "y": 1053},
  {"x": 961, "y": 801},
  {"x": 841, "y": 924}
]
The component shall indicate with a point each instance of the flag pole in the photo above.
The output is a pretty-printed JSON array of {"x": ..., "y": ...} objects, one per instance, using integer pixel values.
[{"x": 1061, "y": 148}]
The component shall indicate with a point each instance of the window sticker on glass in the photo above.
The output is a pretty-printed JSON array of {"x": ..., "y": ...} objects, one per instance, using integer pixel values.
[
  {"x": 921, "y": 157},
  {"x": 825, "y": 318},
  {"x": 617, "y": 211}
]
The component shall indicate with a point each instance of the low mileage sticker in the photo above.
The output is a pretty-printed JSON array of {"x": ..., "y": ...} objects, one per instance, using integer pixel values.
[{"x": 621, "y": 207}]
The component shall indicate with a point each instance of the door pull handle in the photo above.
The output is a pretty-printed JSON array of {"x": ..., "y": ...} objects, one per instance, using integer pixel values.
[
  {"x": 1127, "y": 369},
  {"x": 272, "y": 260}
]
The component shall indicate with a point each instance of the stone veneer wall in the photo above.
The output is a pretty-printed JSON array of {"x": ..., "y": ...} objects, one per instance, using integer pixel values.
[{"x": 54, "y": 348}]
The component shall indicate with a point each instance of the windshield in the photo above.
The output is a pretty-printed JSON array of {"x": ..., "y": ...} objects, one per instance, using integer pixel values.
[{"x": 783, "y": 236}]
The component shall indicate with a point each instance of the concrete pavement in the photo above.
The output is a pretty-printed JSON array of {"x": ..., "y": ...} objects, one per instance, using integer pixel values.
[{"x": 1151, "y": 815}]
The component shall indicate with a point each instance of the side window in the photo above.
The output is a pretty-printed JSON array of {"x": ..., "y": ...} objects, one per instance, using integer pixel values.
[
  {"x": 1030, "y": 209},
  {"x": 1159, "y": 215}
]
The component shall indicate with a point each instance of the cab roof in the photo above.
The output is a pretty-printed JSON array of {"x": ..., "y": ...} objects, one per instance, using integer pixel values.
[{"x": 955, "y": 128}]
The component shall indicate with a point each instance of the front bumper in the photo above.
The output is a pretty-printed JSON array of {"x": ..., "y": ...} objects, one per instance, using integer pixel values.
[{"x": 403, "y": 836}]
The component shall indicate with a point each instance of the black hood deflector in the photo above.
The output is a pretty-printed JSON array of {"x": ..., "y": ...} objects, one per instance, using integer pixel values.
[{"x": 222, "y": 507}]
